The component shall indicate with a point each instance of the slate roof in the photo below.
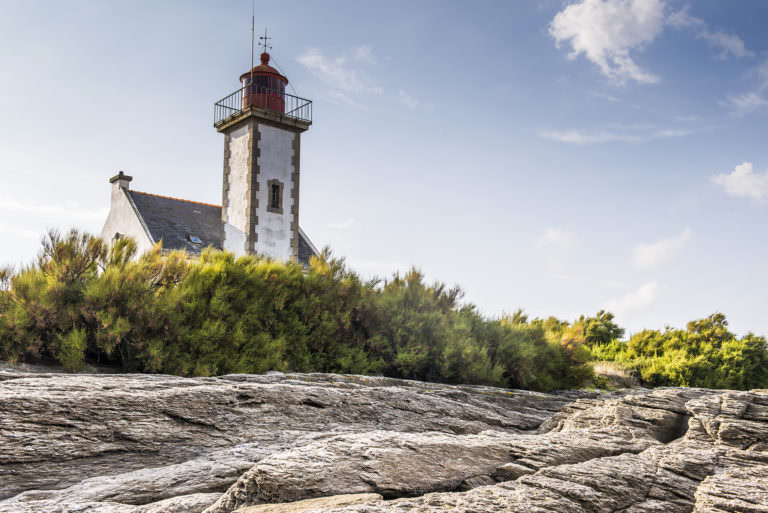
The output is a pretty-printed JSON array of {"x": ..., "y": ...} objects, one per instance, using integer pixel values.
[
  {"x": 305, "y": 250},
  {"x": 176, "y": 221}
]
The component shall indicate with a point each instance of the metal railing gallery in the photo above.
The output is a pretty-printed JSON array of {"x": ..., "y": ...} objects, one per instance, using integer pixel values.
[{"x": 264, "y": 98}]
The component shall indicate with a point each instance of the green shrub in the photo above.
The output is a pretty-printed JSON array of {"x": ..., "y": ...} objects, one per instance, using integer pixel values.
[
  {"x": 80, "y": 303},
  {"x": 705, "y": 354},
  {"x": 71, "y": 351}
]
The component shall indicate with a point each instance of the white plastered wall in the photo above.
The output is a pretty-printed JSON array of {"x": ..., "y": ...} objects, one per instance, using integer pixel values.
[
  {"x": 236, "y": 211},
  {"x": 275, "y": 163},
  {"x": 124, "y": 220}
]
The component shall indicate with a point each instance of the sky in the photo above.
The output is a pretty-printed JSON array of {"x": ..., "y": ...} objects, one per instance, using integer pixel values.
[{"x": 559, "y": 157}]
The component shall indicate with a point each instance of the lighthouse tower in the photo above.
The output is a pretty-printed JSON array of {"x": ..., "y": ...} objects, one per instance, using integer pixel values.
[{"x": 262, "y": 127}]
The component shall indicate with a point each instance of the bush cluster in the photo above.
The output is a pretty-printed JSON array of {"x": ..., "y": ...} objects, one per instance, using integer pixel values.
[
  {"x": 83, "y": 304},
  {"x": 705, "y": 354}
]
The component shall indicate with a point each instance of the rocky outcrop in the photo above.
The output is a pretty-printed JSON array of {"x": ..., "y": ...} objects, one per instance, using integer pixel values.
[
  {"x": 193, "y": 503},
  {"x": 291, "y": 443},
  {"x": 411, "y": 464},
  {"x": 334, "y": 501},
  {"x": 718, "y": 465},
  {"x": 86, "y": 426},
  {"x": 735, "y": 489}
]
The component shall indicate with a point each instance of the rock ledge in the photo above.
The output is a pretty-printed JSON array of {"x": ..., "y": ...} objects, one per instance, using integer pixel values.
[{"x": 331, "y": 443}]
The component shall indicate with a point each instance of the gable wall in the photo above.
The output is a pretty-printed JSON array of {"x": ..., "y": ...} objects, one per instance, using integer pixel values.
[{"x": 124, "y": 220}]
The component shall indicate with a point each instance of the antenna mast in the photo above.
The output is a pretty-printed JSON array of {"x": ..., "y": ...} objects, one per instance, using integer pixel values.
[{"x": 253, "y": 37}]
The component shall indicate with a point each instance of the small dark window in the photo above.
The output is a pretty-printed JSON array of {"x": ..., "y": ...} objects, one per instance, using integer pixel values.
[{"x": 275, "y": 200}]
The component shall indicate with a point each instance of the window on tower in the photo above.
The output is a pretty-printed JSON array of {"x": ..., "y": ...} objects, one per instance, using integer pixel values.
[
  {"x": 275, "y": 191},
  {"x": 259, "y": 84},
  {"x": 264, "y": 84}
]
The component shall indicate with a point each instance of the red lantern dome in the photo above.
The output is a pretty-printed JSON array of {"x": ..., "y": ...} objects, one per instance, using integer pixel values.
[{"x": 264, "y": 87}]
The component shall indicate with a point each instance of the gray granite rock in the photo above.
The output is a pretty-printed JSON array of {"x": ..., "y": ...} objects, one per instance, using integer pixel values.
[
  {"x": 634, "y": 452},
  {"x": 85, "y": 426},
  {"x": 193, "y": 503},
  {"x": 313, "y": 504},
  {"x": 407, "y": 464},
  {"x": 735, "y": 489},
  {"x": 146, "y": 444}
]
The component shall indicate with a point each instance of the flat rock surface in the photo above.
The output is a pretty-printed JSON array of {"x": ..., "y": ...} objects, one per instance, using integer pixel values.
[{"x": 127, "y": 443}]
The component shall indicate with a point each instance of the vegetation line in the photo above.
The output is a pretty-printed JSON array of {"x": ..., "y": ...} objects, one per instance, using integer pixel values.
[{"x": 81, "y": 303}]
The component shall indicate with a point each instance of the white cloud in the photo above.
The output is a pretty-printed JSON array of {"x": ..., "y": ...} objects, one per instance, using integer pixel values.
[
  {"x": 337, "y": 96},
  {"x": 581, "y": 137},
  {"x": 751, "y": 101},
  {"x": 681, "y": 18},
  {"x": 742, "y": 182},
  {"x": 349, "y": 223},
  {"x": 346, "y": 80},
  {"x": 557, "y": 240},
  {"x": 634, "y": 135},
  {"x": 761, "y": 71},
  {"x": 746, "y": 102},
  {"x": 20, "y": 232},
  {"x": 336, "y": 72},
  {"x": 636, "y": 301},
  {"x": 558, "y": 246},
  {"x": 604, "y": 96},
  {"x": 656, "y": 254},
  {"x": 365, "y": 54},
  {"x": 607, "y": 31},
  {"x": 728, "y": 44},
  {"x": 665, "y": 133},
  {"x": 69, "y": 211},
  {"x": 407, "y": 100}
]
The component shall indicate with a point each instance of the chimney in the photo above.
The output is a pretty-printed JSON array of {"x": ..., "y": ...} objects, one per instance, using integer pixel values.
[{"x": 120, "y": 181}]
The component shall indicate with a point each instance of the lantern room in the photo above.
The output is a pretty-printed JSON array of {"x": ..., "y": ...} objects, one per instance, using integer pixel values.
[{"x": 264, "y": 87}]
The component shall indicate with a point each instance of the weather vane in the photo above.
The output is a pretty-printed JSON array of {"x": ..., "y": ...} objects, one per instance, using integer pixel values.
[{"x": 264, "y": 41}]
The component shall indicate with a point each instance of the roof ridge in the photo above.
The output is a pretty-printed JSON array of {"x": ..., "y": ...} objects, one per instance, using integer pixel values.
[{"x": 175, "y": 199}]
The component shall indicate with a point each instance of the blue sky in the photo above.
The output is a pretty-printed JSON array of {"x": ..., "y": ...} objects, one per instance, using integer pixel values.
[{"x": 559, "y": 157}]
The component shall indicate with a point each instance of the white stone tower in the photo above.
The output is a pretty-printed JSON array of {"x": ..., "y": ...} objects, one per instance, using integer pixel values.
[{"x": 262, "y": 127}]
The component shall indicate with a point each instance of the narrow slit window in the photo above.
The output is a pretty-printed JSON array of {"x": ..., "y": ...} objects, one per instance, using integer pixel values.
[{"x": 275, "y": 202}]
